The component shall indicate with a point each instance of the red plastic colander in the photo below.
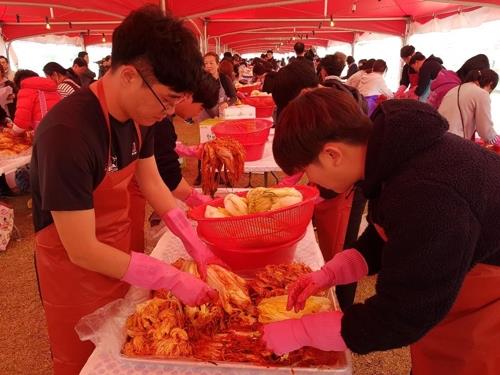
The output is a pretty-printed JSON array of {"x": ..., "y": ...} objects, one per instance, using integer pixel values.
[{"x": 259, "y": 230}]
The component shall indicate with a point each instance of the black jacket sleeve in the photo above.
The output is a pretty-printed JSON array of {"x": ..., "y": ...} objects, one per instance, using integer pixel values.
[
  {"x": 370, "y": 245},
  {"x": 229, "y": 88},
  {"x": 167, "y": 159},
  {"x": 405, "y": 76},
  {"x": 428, "y": 72},
  {"x": 432, "y": 235}
]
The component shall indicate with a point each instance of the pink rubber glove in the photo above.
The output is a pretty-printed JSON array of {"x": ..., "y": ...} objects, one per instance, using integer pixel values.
[
  {"x": 290, "y": 181},
  {"x": 150, "y": 273},
  {"x": 177, "y": 222},
  {"x": 346, "y": 267},
  {"x": 320, "y": 331},
  {"x": 188, "y": 151},
  {"x": 196, "y": 199}
]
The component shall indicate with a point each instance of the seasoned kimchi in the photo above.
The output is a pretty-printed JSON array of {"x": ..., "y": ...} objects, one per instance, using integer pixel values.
[{"x": 227, "y": 330}]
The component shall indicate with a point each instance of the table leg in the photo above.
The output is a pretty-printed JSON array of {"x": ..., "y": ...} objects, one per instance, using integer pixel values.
[
  {"x": 249, "y": 180},
  {"x": 266, "y": 178},
  {"x": 275, "y": 177}
]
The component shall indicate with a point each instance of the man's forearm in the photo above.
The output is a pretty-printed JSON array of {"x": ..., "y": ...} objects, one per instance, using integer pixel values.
[
  {"x": 153, "y": 188},
  {"x": 183, "y": 190}
]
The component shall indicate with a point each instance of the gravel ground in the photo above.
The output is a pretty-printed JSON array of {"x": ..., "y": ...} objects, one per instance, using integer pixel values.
[{"x": 23, "y": 335}]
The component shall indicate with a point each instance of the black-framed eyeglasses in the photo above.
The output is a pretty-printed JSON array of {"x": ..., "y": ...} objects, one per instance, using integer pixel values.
[{"x": 165, "y": 108}]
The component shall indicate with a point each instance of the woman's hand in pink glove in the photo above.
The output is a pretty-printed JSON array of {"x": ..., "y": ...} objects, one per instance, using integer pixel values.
[
  {"x": 346, "y": 267},
  {"x": 150, "y": 273},
  {"x": 189, "y": 151},
  {"x": 196, "y": 199},
  {"x": 321, "y": 331}
]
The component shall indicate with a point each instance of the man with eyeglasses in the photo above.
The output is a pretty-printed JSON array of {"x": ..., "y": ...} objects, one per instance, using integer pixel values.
[{"x": 86, "y": 151}]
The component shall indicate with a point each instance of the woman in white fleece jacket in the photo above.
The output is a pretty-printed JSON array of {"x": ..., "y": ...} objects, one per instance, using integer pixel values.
[
  {"x": 372, "y": 85},
  {"x": 468, "y": 107}
]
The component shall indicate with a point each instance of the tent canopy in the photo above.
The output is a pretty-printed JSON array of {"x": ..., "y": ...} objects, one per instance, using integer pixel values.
[{"x": 243, "y": 26}]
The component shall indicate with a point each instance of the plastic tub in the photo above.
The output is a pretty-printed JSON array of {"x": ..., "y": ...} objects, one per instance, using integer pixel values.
[
  {"x": 251, "y": 133},
  {"x": 264, "y": 105},
  {"x": 254, "y": 152},
  {"x": 247, "y": 89},
  {"x": 264, "y": 229},
  {"x": 247, "y": 262}
]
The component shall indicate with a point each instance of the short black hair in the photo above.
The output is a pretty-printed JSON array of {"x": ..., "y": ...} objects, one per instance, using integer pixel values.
[
  {"x": 350, "y": 59},
  {"x": 261, "y": 68},
  {"x": 407, "y": 51},
  {"x": 53, "y": 67},
  {"x": 82, "y": 54},
  {"x": 313, "y": 119},
  {"x": 3, "y": 57},
  {"x": 309, "y": 54},
  {"x": 416, "y": 57},
  {"x": 207, "y": 92},
  {"x": 23, "y": 74},
  {"x": 299, "y": 48},
  {"x": 160, "y": 45},
  {"x": 270, "y": 51},
  {"x": 333, "y": 64},
  {"x": 268, "y": 84},
  {"x": 80, "y": 62},
  {"x": 228, "y": 55},
  {"x": 289, "y": 82}
]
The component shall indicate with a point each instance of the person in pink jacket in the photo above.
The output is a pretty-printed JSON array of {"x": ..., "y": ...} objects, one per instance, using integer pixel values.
[{"x": 37, "y": 95}]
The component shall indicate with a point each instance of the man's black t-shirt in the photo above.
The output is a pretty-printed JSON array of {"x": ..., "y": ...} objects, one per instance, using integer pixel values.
[
  {"x": 70, "y": 154},
  {"x": 405, "y": 75},
  {"x": 167, "y": 160}
]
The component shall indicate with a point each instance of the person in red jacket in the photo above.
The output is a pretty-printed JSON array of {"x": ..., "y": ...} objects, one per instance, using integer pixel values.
[{"x": 37, "y": 95}]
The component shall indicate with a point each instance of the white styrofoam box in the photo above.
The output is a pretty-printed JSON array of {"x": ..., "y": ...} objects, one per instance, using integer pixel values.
[
  {"x": 206, "y": 134},
  {"x": 239, "y": 112}
]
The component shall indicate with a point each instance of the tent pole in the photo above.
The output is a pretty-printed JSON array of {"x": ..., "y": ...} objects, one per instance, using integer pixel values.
[
  {"x": 407, "y": 31},
  {"x": 205, "y": 36},
  {"x": 163, "y": 6},
  {"x": 82, "y": 41}
]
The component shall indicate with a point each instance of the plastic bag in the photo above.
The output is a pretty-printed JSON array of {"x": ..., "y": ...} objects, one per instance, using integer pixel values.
[{"x": 6, "y": 225}]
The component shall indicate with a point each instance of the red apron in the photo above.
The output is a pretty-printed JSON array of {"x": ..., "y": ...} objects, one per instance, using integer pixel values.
[
  {"x": 137, "y": 216},
  {"x": 467, "y": 340},
  {"x": 69, "y": 292},
  {"x": 331, "y": 218}
]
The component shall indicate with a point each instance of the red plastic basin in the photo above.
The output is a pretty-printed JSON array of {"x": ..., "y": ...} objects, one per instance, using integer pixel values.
[
  {"x": 251, "y": 133},
  {"x": 264, "y": 105},
  {"x": 247, "y": 262},
  {"x": 248, "y": 88},
  {"x": 254, "y": 152}
]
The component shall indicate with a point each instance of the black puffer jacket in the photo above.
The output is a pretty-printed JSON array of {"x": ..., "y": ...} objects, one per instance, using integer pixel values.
[{"x": 437, "y": 197}]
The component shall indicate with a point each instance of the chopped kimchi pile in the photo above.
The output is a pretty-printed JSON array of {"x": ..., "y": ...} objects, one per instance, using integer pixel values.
[{"x": 227, "y": 330}]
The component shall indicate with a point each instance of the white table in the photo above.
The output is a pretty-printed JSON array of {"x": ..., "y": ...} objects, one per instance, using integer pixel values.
[
  {"x": 106, "y": 360},
  {"x": 265, "y": 165},
  {"x": 10, "y": 165}
]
